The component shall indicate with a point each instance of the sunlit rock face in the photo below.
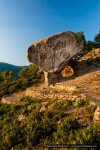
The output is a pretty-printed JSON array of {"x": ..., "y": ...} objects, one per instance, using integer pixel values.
[
  {"x": 53, "y": 53},
  {"x": 96, "y": 118}
]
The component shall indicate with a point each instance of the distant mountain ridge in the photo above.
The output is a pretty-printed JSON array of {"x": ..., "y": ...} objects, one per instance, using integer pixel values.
[{"x": 6, "y": 66}]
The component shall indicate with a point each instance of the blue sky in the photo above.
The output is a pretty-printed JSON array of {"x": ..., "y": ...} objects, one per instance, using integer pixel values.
[{"x": 24, "y": 21}]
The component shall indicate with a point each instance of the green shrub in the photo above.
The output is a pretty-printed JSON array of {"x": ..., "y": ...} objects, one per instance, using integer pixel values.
[
  {"x": 64, "y": 128},
  {"x": 26, "y": 99},
  {"x": 41, "y": 128},
  {"x": 26, "y": 77},
  {"x": 91, "y": 108},
  {"x": 81, "y": 102}
]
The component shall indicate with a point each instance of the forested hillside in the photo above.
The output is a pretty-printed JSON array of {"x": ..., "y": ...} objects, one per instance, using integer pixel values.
[{"x": 26, "y": 76}]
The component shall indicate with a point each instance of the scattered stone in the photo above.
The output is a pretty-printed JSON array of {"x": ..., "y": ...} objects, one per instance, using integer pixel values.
[
  {"x": 73, "y": 88},
  {"x": 22, "y": 118},
  {"x": 42, "y": 108}
]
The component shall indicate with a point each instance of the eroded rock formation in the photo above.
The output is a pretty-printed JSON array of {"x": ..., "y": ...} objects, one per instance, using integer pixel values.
[{"x": 53, "y": 53}]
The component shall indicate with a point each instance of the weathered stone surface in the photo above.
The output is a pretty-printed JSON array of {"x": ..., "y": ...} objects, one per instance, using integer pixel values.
[
  {"x": 53, "y": 53},
  {"x": 67, "y": 72}
]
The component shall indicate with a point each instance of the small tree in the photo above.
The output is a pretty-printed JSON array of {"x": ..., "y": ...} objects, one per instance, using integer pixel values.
[
  {"x": 81, "y": 36},
  {"x": 97, "y": 37},
  {"x": 89, "y": 45}
]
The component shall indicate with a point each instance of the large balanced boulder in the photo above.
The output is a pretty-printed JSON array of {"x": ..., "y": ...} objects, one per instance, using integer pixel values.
[{"x": 53, "y": 53}]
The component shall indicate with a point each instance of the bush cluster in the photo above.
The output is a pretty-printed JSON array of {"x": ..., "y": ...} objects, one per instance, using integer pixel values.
[
  {"x": 38, "y": 129},
  {"x": 26, "y": 77}
]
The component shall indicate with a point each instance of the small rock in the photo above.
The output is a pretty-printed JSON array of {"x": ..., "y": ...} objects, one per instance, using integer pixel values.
[
  {"x": 42, "y": 108},
  {"x": 21, "y": 118},
  {"x": 73, "y": 88},
  {"x": 97, "y": 115}
]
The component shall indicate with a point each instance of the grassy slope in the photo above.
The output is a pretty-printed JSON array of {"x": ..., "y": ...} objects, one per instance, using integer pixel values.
[{"x": 66, "y": 120}]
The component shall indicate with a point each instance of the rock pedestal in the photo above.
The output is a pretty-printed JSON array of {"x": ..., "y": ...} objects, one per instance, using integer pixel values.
[
  {"x": 51, "y": 78},
  {"x": 53, "y": 53}
]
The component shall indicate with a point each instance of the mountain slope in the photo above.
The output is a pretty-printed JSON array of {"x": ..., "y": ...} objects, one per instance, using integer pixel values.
[{"x": 6, "y": 66}]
